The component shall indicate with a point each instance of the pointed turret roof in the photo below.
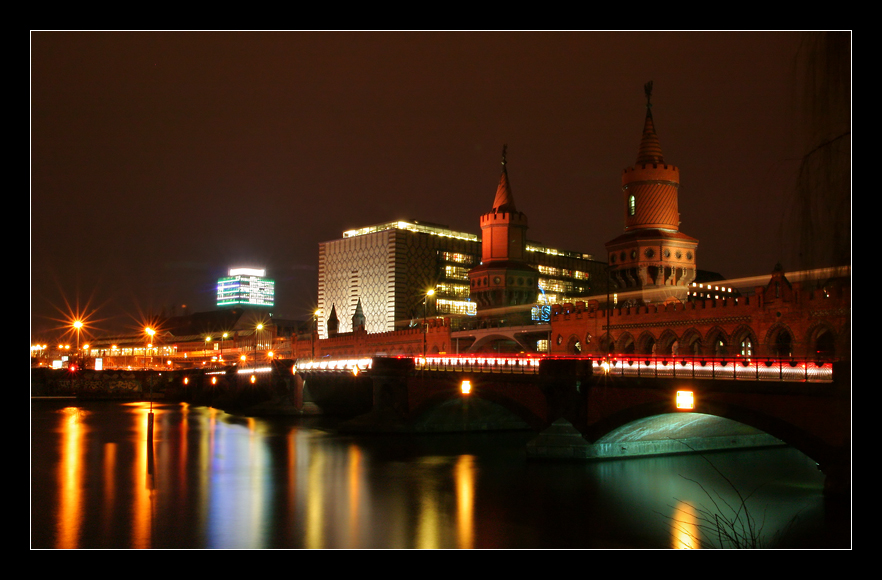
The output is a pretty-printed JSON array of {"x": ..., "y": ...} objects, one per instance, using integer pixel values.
[
  {"x": 650, "y": 148},
  {"x": 358, "y": 319},
  {"x": 504, "y": 202}
]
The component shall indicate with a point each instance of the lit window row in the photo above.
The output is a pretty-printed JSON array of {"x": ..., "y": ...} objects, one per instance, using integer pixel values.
[
  {"x": 534, "y": 247},
  {"x": 455, "y": 290},
  {"x": 445, "y": 306},
  {"x": 555, "y": 285},
  {"x": 456, "y": 272},
  {"x": 458, "y": 258}
]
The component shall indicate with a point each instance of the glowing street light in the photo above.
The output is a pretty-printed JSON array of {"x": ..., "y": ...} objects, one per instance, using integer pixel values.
[
  {"x": 150, "y": 332},
  {"x": 257, "y": 339},
  {"x": 78, "y": 324},
  {"x": 429, "y": 293},
  {"x": 315, "y": 334}
]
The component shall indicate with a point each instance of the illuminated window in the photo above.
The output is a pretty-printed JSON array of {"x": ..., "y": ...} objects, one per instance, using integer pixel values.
[
  {"x": 632, "y": 205},
  {"x": 456, "y": 272},
  {"x": 452, "y": 290},
  {"x": 456, "y": 307},
  {"x": 458, "y": 258},
  {"x": 549, "y": 270},
  {"x": 555, "y": 285}
]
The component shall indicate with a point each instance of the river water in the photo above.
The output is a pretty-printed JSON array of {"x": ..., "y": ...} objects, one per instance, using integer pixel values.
[{"x": 213, "y": 480}]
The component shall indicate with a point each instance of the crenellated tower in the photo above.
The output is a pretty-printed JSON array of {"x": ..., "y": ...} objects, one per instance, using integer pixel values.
[
  {"x": 652, "y": 255},
  {"x": 503, "y": 278}
]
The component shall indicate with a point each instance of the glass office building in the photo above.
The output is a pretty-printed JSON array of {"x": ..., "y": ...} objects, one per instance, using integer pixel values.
[{"x": 245, "y": 286}]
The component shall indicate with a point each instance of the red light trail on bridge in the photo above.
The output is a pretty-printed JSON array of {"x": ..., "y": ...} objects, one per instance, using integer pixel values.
[{"x": 712, "y": 368}]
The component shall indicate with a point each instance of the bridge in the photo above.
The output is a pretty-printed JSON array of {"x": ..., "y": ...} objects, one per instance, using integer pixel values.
[
  {"x": 602, "y": 402},
  {"x": 476, "y": 337}
]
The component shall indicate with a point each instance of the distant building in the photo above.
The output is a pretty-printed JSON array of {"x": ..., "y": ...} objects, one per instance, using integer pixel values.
[
  {"x": 388, "y": 269},
  {"x": 245, "y": 287}
]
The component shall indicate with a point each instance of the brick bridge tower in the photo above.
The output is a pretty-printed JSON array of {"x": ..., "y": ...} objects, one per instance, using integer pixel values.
[
  {"x": 503, "y": 278},
  {"x": 652, "y": 256}
]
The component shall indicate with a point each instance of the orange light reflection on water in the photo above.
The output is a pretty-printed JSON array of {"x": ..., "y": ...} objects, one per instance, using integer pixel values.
[
  {"x": 464, "y": 479},
  {"x": 142, "y": 516},
  {"x": 684, "y": 527},
  {"x": 354, "y": 491},
  {"x": 70, "y": 475},
  {"x": 109, "y": 486}
]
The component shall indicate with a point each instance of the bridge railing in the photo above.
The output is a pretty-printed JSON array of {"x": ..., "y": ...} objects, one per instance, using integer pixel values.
[
  {"x": 521, "y": 365},
  {"x": 352, "y": 365},
  {"x": 723, "y": 368},
  {"x": 720, "y": 368}
]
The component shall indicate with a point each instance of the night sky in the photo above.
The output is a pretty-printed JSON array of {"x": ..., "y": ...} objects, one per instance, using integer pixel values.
[{"x": 160, "y": 160}]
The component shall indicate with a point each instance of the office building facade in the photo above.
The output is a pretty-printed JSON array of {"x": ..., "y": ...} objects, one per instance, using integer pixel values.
[
  {"x": 390, "y": 268},
  {"x": 245, "y": 287}
]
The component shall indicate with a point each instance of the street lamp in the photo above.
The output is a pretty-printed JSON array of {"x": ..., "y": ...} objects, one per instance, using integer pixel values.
[
  {"x": 150, "y": 332},
  {"x": 78, "y": 324},
  {"x": 315, "y": 334},
  {"x": 431, "y": 292},
  {"x": 257, "y": 339}
]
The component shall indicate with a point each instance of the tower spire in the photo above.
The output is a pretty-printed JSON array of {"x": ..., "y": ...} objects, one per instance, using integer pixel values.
[
  {"x": 650, "y": 148},
  {"x": 503, "y": 278},
  {"x": 504, "y": 202},
  {"x": 653, "y": 254}
]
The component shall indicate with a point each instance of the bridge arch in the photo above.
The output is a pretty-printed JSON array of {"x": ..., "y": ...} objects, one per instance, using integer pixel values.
[
  {"x": 645, "y": 343},
  {"x": 574, "y": 345},
  {"x": 813, "y": 447},
  {"x": 452, "y": 397},
  {"x": 780, "y": 340},
  {"x": 625, "y": 343},
  {"x": 666, "y": 342},
  {"x": 822, "y": 341},
  {"x": 718, "y": 342},
  {"x": 507, "y": 343},
  {"x": 607, "y": 343},
  {"x": 691, "y": 343},
  {"x": 744, "y": 341}
]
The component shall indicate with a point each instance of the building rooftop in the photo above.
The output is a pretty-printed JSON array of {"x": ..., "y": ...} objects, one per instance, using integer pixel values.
[{"x": 412, "y": 226}]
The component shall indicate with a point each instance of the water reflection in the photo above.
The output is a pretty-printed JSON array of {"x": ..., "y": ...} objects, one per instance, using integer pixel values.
[
  {"x": 684, "y": 527},
  {"x": 218, "y": 481},
  {"x": 70, "y": 477},
  {"x": 354, "y": 490},
  {"x": 464, "y": 476}
]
